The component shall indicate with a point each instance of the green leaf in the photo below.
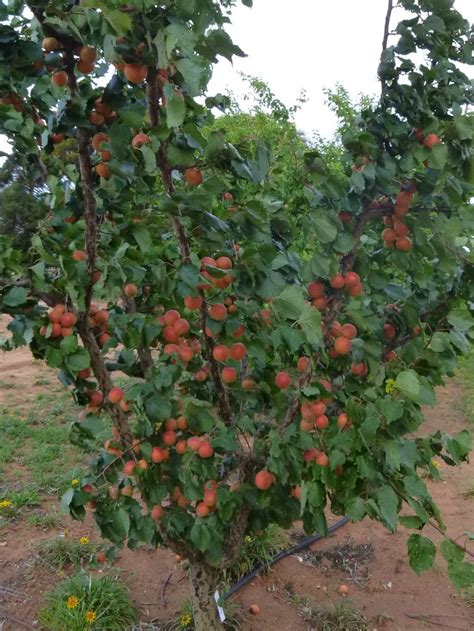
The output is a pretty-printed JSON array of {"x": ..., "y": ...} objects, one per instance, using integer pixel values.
[
  {"x": 290, "y": 303},
  {"x": 66, "y": 500},
  {"x": 142, "y": 237},
  {"x": 201, "y": 535},
  {"x": 326, "y": 230},
  {"x": 461, "y": 574},
  {"x": 120, "y": 522},
  {"x": 387, "y": 501},
  {"x": 69, "y": 344},
  {"x": 133, "y": 115},
  {"x": 175, "y": 107},
  {"x": 461, "y": 319},
  {"x": 149, "y": 158},
  {"x": 80, "y": 360},
  {"x": 407, "y": 383},
  {"x": 438, "y": 156},
  {"x": 15, "y": 296},
  {"x": 310, "y": 322},
  {"x": 411, "y": 521},
  {"x": 451, "y": 551},
  {"x": 421, "y": 553}
]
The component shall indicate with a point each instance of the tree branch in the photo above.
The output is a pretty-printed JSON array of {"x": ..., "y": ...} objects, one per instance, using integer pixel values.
[
  {"x": 386, "y": 32},
  {"x": 103, "y": 378},
  {"x": 90, "y": 231},
  {"x": 144, "y": 353}
]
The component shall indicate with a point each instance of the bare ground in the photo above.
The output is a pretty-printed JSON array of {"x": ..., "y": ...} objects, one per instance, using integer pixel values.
[{"x": 381, "y": 584}]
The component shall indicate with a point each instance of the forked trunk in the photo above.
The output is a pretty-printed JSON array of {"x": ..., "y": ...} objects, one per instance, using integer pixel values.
[{"x": 203, "y": 584}]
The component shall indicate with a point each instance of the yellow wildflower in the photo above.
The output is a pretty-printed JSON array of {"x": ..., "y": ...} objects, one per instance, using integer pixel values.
[
  {"x": 5, "y": 503},
  {"x": 389, "y": 386},
  {"x": 75, "y": 483},
  {"x": 90, "y": 616},
  {"x": 84, "y": 540},
  {"x": 72, "y": 602},
  {"x": 436, "y": 463},
  {"x": 248, "y": 539},
  {"x": 185, "y": 620}
]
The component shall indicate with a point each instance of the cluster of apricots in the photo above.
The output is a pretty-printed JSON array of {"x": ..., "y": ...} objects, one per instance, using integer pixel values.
[
  {"x": 99, "y": 321},
  {"x": 396, "y": 233},
  {"x": 85, "y": 62},
  {"x": 61, "y": 322},
  {"x": 314, "y": 417},
  {"x": 343, "y": 336},
  {"x": 212, "y": 270},
  {"x": 102, "y": 113},
  {"x": 350, "y": 281},
  {"x": 98, "y": 140}
]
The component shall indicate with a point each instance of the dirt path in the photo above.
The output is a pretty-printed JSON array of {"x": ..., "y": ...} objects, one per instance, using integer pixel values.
[{"x": 381, "y": 584}]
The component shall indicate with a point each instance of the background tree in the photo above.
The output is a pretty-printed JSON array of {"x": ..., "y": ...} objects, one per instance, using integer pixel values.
[{"x": 268, "y": 382}]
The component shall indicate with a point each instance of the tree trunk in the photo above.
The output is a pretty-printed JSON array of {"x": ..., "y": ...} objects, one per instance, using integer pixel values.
[{"x": 203, "y": 584}]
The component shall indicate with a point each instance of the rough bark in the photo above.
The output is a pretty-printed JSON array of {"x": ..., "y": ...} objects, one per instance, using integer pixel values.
[{"x": 203, "y": 583}]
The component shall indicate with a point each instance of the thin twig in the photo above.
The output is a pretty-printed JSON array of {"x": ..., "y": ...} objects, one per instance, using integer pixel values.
[
  {"x": 426, "y": 618},
  {"x": 90, "y": 230},
  {"x": 386, "y": 32},
  {"x": 163, "y": 589}
]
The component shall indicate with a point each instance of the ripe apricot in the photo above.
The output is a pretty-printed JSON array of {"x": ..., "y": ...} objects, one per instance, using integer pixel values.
[
  {"x": 221, "y": 353},
  {"x": 401, "y": 229},
  {"x": 85, "y": 67},
  {"x": 302, "y": 364},
  {"x": 79, "y": 255},
  {"x": 135, "y": 73},
  {"x": 169, "y": 437},
  {"x": 193, "y": 176},
  {"x": 205, "y": 450},
  {"x": 202, "y": 510},
  {"x": 404, "y": 244},
  {"x": 157, "y": 512},
  {"x": 224, "y": 262},
  {"x": 321, "y": 422},
  {"x": 181, "y": 326},
  {"x": 322, "y": 460},
  {"x": 88, "y": 54},
  {"x": 68, "y": 320},
  {"x": 192, "y": 302},
  {"x": 238, "y": 351},
  {"x": 210, "y": 497},
  {"x": 389, "y": 235},
  {"x": 218, "y": 312},
  {"x": 248, "y": 384},
  {"x": 359, "y": 369},
  {"x": 95, "y": 118},
  {"x": 130, "y": 290},
  {"x": 355, "y": 290},
  {"x": 254, "y": 610},
  {"x": 389, "y": 330},
  {"x": 50, "y": 43},
  {"x": 228, "y": 374},
  {"x": 171, "y": 316},
  {"x": 342, "y": 345},
  {"x": 264, "y": 480},
  {"x": 319, "y": 408},
  {"x": 349, "y": 331},
  {"x": 320, "y": 303},
  {"x": 115, "y": 395},
  {"x": 316, "y": 290},
  {"x": 102, "y": 169},
  {"x": 431, "y": 140},
  {"x": 342, "y": 420},
  {"x": 129, "y": 467},
  {"x": 139, "y": 140},
  {"x": 282, "y": 380},
  {"x": 98, "y": 139},
  {"x": 352, "y": 279},
  {"x": 60, "y": 78},
  {"x": 337, "y": 281}
]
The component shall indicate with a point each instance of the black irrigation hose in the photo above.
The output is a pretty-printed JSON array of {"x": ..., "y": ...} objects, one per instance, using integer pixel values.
[{"x": 281, "y": 555}]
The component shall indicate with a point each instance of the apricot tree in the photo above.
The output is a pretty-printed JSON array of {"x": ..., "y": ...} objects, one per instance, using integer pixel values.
[{"x": 277, "y": 346}]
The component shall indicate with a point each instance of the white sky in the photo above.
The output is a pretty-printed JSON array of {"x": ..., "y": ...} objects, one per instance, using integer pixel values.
[{"x": 311, "y": 44}]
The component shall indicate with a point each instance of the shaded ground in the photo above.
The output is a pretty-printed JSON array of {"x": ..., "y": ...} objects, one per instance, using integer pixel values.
[{"x": 35, "y": 461}]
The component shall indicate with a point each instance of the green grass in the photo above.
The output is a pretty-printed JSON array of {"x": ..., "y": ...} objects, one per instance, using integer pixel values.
[
  {"x": 257, "y": 550},
  {"x": 46, "y": 520},
  {"x": 37, "y": 441},
  {"x": 12, "y": 503},
  {"x": 103, "y": 599},
  {"x": 466, "y": 376},
  {"x": 62, "y": 552},
  {"x": 341, "y": 616}
]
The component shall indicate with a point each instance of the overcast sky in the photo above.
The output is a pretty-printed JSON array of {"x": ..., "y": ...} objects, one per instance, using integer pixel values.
[{"x": 311, "y": 44}]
